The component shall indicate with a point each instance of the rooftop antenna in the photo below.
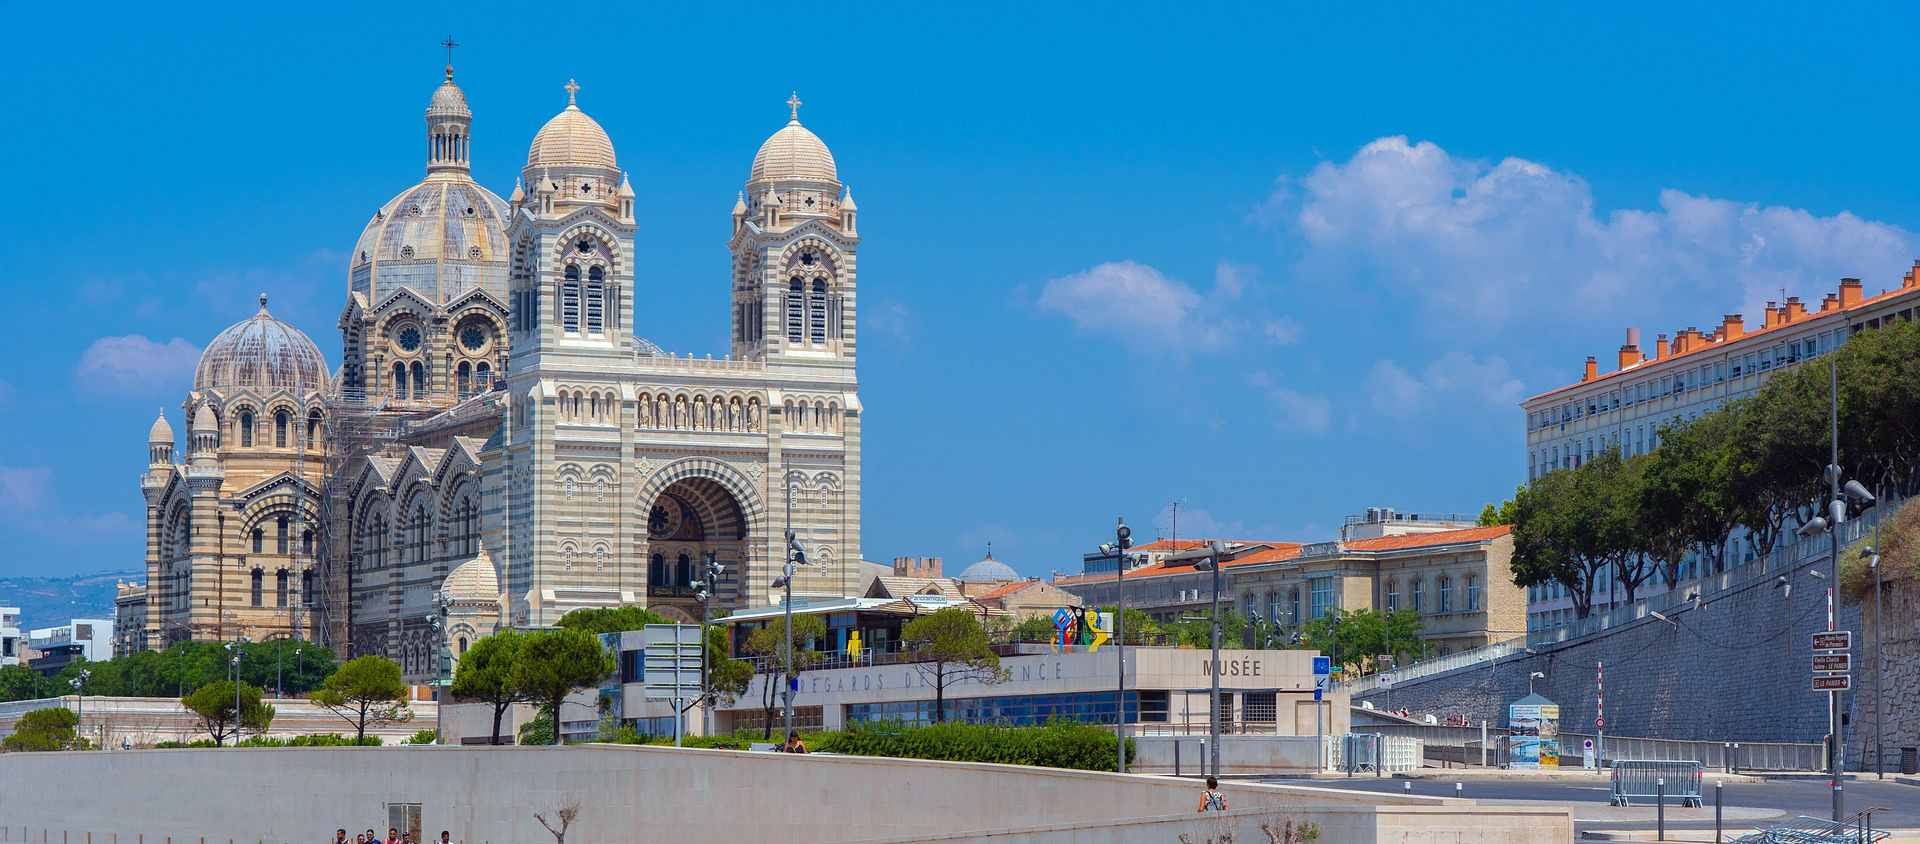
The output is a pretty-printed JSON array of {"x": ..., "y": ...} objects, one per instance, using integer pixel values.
[{"x": 1173, "y": 517}]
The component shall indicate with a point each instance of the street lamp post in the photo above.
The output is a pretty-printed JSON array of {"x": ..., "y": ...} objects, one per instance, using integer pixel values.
[
  {"x": 1209, "y": 559},
  {"x": 442, "y": 662},
  {"x": 277, "y": 693},
  {"x": 1872, "y": 554},
  {"x": 795, "y": 555},
  {"x": 80, "y": 703},
  {"x": 1530, "y": 677},
  {"x": 237, "y": 654},
  {"x": 1830, "y": 525},
  {"x": 1122, "y": 540},
  {"x": 704, "y": 591}
]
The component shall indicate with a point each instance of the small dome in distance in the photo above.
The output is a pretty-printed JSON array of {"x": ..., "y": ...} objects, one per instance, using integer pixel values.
[
  {"x": 475, "y": 581},
  {"x": 988, "y": 570},
  {"x": 161, "y": 431}
]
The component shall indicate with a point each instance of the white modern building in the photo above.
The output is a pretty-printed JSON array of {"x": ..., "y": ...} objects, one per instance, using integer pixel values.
[
  {"x": 10, "y": 636},
  {"x": 80, "y": 639},
  {"x": 1692, "y": 373}
]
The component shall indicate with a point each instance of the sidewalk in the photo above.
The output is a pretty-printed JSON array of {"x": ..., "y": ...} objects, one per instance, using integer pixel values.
[{"x": 1546, "y": 775}]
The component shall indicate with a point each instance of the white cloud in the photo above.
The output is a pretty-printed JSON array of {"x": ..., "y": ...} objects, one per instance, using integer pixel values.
[
  {"x": 1300, "y": 412},
  {"x": 1491, "y": 242},
  {"x": 23, "y": 488},
  {"x": 133, "y": 364},
  {"x": 1153, "y": 313},
  {"x": 1456, "y": 381},
  {"x": 1284, "y": 331}
]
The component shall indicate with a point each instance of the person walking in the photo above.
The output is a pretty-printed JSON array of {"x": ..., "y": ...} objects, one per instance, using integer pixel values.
[
  {"x": 1211, "y": 800},
  {"x": 340, "y": 836}
]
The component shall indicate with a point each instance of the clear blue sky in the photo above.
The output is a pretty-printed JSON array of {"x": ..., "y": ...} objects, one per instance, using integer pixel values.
[{"x": 1280, "y": 261}]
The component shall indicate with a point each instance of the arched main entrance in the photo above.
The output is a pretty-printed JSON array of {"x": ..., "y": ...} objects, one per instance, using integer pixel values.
[{"x": 686, "y": 520}]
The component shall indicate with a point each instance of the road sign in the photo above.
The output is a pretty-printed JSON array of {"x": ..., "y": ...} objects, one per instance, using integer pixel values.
[
  {"x": 1322, "y": 665},
  {"x": 1600, "y": 723},
  {"x": 1588, "y": 744},
  {"x": 1833, "y": 640},
  {"x": 1833, "y": 662},
  {"x": 1832, "y": 683},
  {"x": 670, "y": 667}
]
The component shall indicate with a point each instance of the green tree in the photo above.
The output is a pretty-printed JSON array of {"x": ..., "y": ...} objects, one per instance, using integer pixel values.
[
  {"x": 951, "y": 647},
  {"x": 52, "y": 728},
  {"x": 1361, "y": 638},
  {"x": 610, "y": 619},
  {"x": 1547, "y": 538},
  {"x": 553, "y": 663},
  {"x": 214, "y": 703},
  {"x": 20, "y": 682},
  {"x": 537, "y": 730},
  {"x": 770, "y": 657},
  {"x": 367, "y": 692},
  {"x": 727, "y": 678},
  {"x": 1198, "y": 633},
  {"x": 485, "y": 674},
  {"x": 1491, "y": 516},
  {"x": 1138, "y": 627}
]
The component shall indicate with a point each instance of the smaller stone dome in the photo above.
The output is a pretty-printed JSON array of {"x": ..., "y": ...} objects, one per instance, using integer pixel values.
[
  {"x": 793, "y": 153},
  {"x": 448, "y": 100},
  {"x": 161, "y": 432},
  {"x": 571, "y": 139},
  {"x": 475, "y": 581},
  {"x": 262, "y": 354},
  {"x": 988, "y": 570},
  {"x": 203, "y": 419}
]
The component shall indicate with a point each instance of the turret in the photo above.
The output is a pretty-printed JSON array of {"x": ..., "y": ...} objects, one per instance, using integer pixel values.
[{"x": 160, "y": 442}]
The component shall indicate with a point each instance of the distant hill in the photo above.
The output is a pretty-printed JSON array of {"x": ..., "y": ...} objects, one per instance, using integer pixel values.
[{"x": 51, "y": 601}]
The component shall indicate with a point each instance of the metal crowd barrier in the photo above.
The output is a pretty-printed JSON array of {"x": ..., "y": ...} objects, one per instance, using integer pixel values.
[{"x": 1642, "y": 778}]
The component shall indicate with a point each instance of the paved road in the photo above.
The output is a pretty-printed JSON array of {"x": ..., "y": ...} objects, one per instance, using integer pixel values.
[{"x": 1747, "y": 805}]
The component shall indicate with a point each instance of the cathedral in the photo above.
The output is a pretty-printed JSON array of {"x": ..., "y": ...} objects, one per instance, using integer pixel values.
[{"x": 500, "y": 443}]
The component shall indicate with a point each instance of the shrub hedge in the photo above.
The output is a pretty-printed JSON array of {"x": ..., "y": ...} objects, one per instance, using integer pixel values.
[
  {"x": 1060, "y": 744},
  {"x": 320, "y": 740}
]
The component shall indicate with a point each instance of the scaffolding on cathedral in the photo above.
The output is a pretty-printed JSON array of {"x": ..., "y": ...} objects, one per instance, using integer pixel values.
[{"x": 359, "y": 425}]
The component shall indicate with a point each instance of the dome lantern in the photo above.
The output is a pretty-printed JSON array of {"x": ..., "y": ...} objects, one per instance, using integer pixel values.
[{"x": 449, "y": 129}]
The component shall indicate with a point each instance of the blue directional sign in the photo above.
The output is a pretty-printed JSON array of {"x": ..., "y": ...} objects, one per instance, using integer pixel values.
[{"x": 1322, "y": 667}]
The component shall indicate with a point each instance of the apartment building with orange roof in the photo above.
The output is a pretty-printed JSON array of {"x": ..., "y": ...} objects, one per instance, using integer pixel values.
[
  {"x": 1681, "y": 378},
  {"x": 1456, "y": 575}
]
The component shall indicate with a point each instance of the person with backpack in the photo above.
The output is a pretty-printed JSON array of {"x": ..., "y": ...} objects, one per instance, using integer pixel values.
[{"x": 1211, "y": 800}]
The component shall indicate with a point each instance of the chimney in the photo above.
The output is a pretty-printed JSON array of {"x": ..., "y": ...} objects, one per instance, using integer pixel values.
[
  {"x": 1630, "y": 353},
  {"x": 1850, "y": 292},
  {"x": 1732, "y": 326},
  {"x": 1771, "y": 316},
  {"x": 1592, "y": 371},
  {"x": 1659, "y": 346},
  {"x": 1794, "y": 310},
  {"x": 1831, "y": 302},
  {"x": 1912, "y": 278}
]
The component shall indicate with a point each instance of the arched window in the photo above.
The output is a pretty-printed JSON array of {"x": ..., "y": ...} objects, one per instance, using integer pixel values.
[
  {"x": 1413, "y": 596},
  {"x": 306, "y": 588},
  {"x": 1293, "y": 605},
  {"x": 420, "y": 534},
  {"x": 399, "y": 380},
  {"x": 259, "y": 581},
  {"x": 246, "y": 429},
  {"x": 313, "y": 428},
  {"x": 419, "y": 380},
  {"x": 280, "y": 582},
  {"x": 817, "y": 312},
  {"x": 483, "y": 377},
  {"x": 306, "y": 543},
  {"x": 281, "y": 422},
  {"x": 463, "y": 646},
  {"x": 657, "y": 570},
  {"x": 259, "y": 540},
  {"x": 280, "y": 536},
  {"x": 796, "y": 311},
  {"x": 1473, "y": 593},
  {"x": 596, "y": 300},
  {"x": 463, "y": 378},
  {"x": 683, "y": 572},
  {"x": 1446, "y": 593},
  {"x": 570, "y": 301}
]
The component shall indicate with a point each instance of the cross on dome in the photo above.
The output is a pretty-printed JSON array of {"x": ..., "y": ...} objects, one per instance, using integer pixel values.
[
  {"x": 793, "y": 102},
  {"x": 572, "y": 89},
  {"x": 449, "y": 44}
]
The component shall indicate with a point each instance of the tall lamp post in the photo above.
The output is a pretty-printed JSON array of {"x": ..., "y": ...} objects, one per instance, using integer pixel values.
[
  {"x": 442, "y": 669},
  {"x": 238, "y": 720},
  {"x": 1872, "y": 555},
  {"x": 795, "y": 556},
  {"x": 1208, "y": 559},
  {"x": 1830, "y": 525},
  {"x": 1122, "y": 540},
  {"x": 80, "y": 703},
  {"x": 703, "y": 592}
]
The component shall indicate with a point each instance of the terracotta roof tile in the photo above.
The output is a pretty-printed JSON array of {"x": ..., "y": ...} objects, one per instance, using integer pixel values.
[{"x": 1424, "y": 540}]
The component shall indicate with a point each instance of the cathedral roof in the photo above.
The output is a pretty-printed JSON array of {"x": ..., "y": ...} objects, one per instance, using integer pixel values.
[
  {"x": 449, "y": 100},
  {"x": 474, "y": 580},
  {"x": 442, "y": 221},
  {"x": 793, "y": 153},
  {"x": 571, "y": 139},
  {"x": 262, "y": 354}
]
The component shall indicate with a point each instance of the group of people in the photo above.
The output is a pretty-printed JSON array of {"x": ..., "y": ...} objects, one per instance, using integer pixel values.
[{"x": 394, "y": 836}]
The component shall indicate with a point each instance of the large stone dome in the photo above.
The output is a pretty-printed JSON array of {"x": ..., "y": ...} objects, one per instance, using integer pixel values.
[
  {"x": 263, "y": 355},
  {"x": 439, "y": 237}
]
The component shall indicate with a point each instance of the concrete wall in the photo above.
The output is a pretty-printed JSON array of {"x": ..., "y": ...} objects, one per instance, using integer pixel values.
[
  {"x": 486, "y": 795},
  {"x": 1239, "y": 755},
  {"x": 1900, "y": 680},
  {"x": 1736, "y": 670}
]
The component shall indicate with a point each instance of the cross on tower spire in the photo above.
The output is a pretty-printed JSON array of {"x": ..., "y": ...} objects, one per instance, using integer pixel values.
[
  {"x": 449, "y": 44},
  {"x": 793, "y": 102},
  {"x": 572, "y": 89}
]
